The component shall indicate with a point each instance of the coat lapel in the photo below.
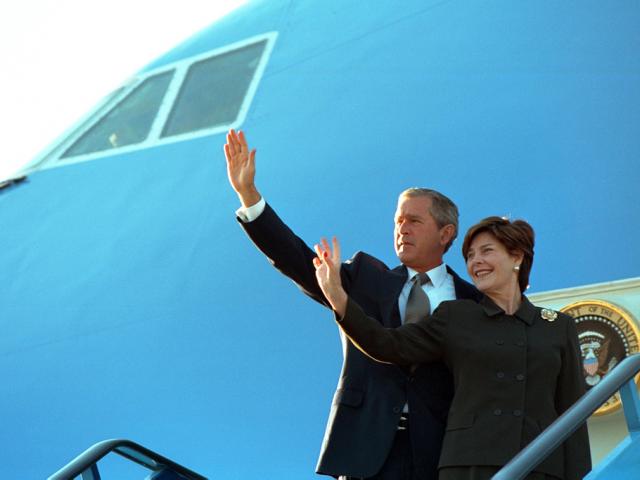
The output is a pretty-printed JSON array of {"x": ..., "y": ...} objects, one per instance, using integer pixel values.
[{"x": 392, "y": 285}]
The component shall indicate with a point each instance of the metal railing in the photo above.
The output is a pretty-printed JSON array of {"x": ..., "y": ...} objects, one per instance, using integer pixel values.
[
  {"x": 85, "y": 464},
  {"x": 620, "y": 378}
]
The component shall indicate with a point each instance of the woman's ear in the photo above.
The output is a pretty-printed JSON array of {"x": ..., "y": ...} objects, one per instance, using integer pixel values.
[{"x": 517, "y": 256}]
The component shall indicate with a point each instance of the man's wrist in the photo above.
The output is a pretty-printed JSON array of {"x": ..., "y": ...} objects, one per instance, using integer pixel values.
[{"x": 249, "y": 197}]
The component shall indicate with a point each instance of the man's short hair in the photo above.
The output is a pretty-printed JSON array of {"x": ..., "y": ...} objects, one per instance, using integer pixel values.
[{"x": 443, "y": 210}]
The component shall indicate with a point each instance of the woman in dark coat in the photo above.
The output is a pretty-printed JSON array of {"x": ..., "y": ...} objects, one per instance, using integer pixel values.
[{"x": 516, "y": 367}]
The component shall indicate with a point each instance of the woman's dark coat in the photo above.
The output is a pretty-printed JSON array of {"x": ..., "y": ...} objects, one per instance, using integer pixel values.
[{"x": 513, "y": 375}]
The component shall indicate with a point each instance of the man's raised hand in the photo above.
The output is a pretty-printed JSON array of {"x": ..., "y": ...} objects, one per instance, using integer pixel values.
[{"x": 241, "y": 168}]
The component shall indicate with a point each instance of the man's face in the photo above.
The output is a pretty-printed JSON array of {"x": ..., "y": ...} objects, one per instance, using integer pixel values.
[{"x": 418, "y": 241}]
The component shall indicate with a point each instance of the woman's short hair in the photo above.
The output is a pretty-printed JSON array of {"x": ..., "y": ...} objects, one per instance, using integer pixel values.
[{"x": 516, "y": 236}]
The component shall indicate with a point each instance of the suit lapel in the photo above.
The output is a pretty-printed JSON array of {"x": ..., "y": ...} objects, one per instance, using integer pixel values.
[{"x": 391, "y": 286}]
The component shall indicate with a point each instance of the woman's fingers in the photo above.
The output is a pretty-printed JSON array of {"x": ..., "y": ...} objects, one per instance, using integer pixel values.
[
  {"x": 328, "y": 254},
  {"x": 325, "y": 245},
  {"x": 336, "y": 249}
]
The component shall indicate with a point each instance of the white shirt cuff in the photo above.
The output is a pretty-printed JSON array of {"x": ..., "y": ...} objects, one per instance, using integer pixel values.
[{"x": 249, "y": 214}]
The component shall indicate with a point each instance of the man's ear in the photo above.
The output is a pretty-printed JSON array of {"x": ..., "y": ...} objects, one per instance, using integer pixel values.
[{"x": 446, "y": 234}]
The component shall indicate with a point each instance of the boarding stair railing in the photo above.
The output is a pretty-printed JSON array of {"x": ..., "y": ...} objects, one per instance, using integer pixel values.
[
  {"x": 85, "y": 465},
  {"x": 621, "y": 463}
]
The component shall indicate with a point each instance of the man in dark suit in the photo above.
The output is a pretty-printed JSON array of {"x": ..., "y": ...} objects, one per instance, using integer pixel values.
[{"x": 386, "y": 422}]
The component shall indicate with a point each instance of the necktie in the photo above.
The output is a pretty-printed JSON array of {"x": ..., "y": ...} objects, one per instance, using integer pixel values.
[{"x": 418, "y": 305}]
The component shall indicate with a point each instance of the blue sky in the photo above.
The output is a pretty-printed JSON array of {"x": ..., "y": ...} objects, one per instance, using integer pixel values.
[{"x": 61, "y": 57}]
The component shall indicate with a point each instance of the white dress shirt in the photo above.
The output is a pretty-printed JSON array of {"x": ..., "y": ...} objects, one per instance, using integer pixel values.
[
  {"x": 249, "y": 214},
  {"x": 439, "y": 288}
]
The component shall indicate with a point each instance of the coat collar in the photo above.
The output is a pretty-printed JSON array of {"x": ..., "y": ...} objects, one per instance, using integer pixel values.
[
  {"x": 437, "y": 275},
  {"x": 398, "y": 277},
  {"x": 526, "y": 312}
]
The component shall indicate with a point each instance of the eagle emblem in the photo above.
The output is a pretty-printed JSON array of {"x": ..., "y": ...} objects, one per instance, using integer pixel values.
[
  {"x": 607, "y": 335},
  {"x": 549, "y": 315},
  {"x": 596, "y": 358}
]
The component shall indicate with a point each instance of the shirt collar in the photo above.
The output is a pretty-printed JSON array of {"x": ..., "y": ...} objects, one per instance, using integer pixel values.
[
  {"x": 437, "y": 275},
  {"x": 526, "y": 312}
]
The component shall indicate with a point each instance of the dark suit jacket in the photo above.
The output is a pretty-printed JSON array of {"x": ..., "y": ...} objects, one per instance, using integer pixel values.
[
  {"x": 514, "y": 375},
  {"x": 370, "y": 395}
]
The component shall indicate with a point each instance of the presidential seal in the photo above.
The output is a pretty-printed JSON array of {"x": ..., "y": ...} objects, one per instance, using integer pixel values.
[{"x": 607, "y": 335}]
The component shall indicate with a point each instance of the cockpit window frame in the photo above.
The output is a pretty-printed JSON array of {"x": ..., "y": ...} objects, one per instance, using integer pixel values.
[{"x": 53, "y": 157}]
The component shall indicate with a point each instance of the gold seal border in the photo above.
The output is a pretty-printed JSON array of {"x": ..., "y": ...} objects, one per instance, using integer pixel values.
[{"x": 629, "y": 320}]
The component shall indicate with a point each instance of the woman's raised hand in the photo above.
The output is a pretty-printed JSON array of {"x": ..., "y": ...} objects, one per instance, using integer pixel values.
[{"x": 327, "y": 265}]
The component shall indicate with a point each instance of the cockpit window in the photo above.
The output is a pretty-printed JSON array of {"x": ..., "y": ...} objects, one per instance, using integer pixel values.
[
  {"x": 129, "y": 122},
  {"x": 201, "y": 95},
  {"x": 213, "y": 90}
]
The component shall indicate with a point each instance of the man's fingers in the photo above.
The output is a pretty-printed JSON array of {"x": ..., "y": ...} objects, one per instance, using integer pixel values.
[
  {"x": 235, "y": 141},
  {"x": 232, "y": 150},
  {"x": 241, "y": 145},
  {"x": 238, "y": 149},
  {"x": 242, "y": 141}
]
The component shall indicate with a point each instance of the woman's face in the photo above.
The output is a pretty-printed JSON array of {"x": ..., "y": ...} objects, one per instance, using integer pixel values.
[{"x": 490, "y": 265}]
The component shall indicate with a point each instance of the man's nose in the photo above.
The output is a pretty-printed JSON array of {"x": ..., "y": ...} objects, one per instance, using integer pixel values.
[{"x": 403, "y": 227}]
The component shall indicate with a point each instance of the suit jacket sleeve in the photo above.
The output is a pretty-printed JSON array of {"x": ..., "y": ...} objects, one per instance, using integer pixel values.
[
  {"x": 289, "y": 253},
  {"x": 406, "y": 345},
  {"x": 570, "y": 387}
]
